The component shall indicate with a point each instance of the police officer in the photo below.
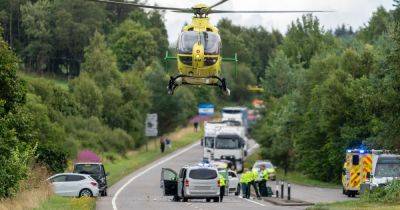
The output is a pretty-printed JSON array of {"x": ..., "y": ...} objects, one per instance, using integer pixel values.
[
  {"x": 262, "y": 185},
  {"x": 222, "y": 184},
  {"x": 254, "y": 182},
  {"x": 245, "y": 178}
]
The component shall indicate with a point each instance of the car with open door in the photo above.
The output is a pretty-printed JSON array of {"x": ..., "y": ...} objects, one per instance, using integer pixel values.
[{"x": 192, "y": 182}]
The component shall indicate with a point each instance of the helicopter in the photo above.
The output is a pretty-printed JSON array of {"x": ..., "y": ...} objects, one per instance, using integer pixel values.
[{"x": 199, "y": 45}]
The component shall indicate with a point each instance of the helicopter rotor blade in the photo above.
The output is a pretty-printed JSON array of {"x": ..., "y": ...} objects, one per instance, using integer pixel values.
[
  {"x": 269, "y": 11},
  {"x": 217, "y": 4},
  {"x": 132, "y": 4}
]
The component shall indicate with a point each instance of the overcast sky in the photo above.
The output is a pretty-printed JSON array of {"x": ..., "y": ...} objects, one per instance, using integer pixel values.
[{"x": 353, "y": 13}]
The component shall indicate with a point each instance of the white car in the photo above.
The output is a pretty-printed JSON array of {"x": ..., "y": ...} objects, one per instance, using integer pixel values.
[{"x": 76, "y": 185}]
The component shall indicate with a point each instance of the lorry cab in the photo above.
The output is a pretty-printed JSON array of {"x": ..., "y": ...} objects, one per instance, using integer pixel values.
[
  {"x": 236, "y": 114},
  {"x": 192, "y": 182},
  {"x": 211, "y": 129},
  {"x": 230, "y": 146}
]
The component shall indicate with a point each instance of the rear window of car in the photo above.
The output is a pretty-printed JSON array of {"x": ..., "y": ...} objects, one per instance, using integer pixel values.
[{"x": 203, "y": 174}]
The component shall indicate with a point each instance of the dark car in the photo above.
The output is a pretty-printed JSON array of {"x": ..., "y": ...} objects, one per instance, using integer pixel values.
[{"x": 96, "y": 171}]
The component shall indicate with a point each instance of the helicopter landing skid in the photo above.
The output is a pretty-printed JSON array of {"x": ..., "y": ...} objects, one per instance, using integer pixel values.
[{"x": 177, "y": 81}]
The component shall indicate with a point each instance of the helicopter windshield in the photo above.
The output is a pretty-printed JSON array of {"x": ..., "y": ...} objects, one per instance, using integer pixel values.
[
  {"x": 186, "y": 42},
  {"x": 211, "y": 42}
]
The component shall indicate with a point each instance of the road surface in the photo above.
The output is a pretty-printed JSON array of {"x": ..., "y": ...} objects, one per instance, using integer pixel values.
[{"x": 141, "y": 189}]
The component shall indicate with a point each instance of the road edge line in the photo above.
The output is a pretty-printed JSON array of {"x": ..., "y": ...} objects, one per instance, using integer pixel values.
[{"x": 173, "y": 155}]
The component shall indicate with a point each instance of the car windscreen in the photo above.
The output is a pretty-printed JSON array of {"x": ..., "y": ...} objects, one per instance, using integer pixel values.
[
  {"x": 87, "y": 169},
  {"x": 267, "y": 165},
  {"x": 203, "y": 173},
  {"x": 231, "y": 111},
  {"x": 222, "y": 142},
  {"x": 388, "y": 167}
]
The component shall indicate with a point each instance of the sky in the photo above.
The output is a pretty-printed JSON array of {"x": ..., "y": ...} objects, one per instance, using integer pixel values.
[{"x": 353, "y": 13}]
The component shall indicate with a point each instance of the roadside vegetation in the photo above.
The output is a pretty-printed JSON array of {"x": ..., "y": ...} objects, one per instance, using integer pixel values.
[
  {"x": 327, "y": 91},
  {"x": 386, "y": 198}
]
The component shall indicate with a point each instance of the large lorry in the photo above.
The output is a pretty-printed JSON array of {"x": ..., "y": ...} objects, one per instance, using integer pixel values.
[
  {"x": 366, "y": 170},
  {"x": 225, "y": 141},
  {"x": 238, "y": 114}
]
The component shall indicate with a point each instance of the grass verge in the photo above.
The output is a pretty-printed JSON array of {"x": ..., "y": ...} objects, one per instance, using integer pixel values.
[
  {"x": 121, "y": 166},
  {"x": 292, "y": 176},
  {"x": 355, "y": 205}
]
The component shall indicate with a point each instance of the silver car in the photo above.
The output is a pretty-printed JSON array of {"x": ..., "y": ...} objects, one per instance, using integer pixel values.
[{"x": 193, "y": 182}]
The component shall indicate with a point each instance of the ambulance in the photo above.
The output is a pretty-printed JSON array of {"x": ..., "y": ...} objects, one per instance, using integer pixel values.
[{"x": 365, "y": 170}]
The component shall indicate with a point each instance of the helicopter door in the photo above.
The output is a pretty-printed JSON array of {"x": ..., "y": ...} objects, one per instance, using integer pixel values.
[{"x": 169, "y": 182}]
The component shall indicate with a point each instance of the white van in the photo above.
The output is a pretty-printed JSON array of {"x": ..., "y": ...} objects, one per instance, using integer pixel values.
[{"x": 193, "y": 182}]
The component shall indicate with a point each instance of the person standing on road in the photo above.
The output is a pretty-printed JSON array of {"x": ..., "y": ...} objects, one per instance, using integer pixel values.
[
  {"x": 245, "y": 178},
  {"x": 162, "y": 144},
  {"x": 262, "y": 185},
  {"x": 222, "y": 184},
  {"x": 254, "y": 182},
  {"x": 196, "y": 126}
]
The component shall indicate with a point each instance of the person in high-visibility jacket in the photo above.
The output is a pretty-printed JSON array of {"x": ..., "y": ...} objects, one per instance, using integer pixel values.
[
  {"x": 254, "y": 182},
  {"x": 245, "y": 179},
  {"x": 262, "y": 185},
  {"x": 222, "y": 184}
]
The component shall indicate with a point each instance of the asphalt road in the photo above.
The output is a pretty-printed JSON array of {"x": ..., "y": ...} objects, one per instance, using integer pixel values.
[{"x": 141, "y": 189}]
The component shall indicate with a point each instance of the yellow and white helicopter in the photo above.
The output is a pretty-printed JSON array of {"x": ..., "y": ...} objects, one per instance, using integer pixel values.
[{"x": 199, "y": 45}]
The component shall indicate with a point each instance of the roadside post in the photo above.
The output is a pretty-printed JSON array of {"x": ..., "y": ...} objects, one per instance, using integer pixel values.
[
  {"x": 288, "y": 191},
  {"x": 282, "y": 189},
  {"x": 151, "y": 127}
]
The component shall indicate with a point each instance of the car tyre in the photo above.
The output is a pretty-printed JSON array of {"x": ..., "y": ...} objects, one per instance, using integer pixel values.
[
  {"x": 185, "y": 199},
  {"x": 85, "y": 193},
  {"x": 103, "y": 193},
  {"x": 216, "y": 200},
  {"x": 208, "y": 200}
]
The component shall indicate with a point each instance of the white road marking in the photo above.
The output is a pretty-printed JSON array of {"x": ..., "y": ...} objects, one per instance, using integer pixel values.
[
  {"x": 253, "y": 201},
  {"x": 114, "y": 205}
]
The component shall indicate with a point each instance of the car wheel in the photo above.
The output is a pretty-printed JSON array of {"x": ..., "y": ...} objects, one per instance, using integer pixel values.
[
  {"x": 185, "y": 199},
  {"x": 237, "y": 190},
  {"x": 216, "y": 200},
  {"x": 104, "y": 192},
  {"x": 176, "y": 198},
  {"x": 85, "y": 193},
  {"x": 208, "y": 199}
]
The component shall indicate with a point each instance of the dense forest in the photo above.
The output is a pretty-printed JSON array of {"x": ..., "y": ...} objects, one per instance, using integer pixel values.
[
  {"x": 327, "y": 91},
  {"x": 324, "y": 90},
  {"x": 106, "y": 66}
]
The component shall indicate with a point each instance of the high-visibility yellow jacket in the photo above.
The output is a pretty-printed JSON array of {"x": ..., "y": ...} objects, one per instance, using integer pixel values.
[
  {"x": 265, "y": 175},
  {"x": 222, "y": 181},
  {"x": 246, "y": 177}
]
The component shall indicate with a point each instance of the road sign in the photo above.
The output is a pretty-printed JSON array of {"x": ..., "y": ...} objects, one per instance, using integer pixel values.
[
  {"x": 206, "y": 109},
  {"x": 151, "y": 125}
]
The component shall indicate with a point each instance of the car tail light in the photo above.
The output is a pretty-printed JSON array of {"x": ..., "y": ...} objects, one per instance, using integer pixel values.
[
  {"x": 93, "y": 184},
  {"x": 186, "y": 183},
  {"x": 218, "y": 183}
]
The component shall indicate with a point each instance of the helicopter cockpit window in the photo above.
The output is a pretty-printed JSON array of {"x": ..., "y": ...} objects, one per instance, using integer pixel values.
[
  {"x": 186, "y": 42},
  {"x": 212, "y": 43}
]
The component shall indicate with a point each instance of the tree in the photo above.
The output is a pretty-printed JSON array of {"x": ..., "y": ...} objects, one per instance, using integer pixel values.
[
  {"x": 377, "y": 25},
  {"x": 36, "y": 20},
  {"x": 131, "y": 41},
  {"x": 100, "y": 62},
  {"x": 88, "y": 95}
]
